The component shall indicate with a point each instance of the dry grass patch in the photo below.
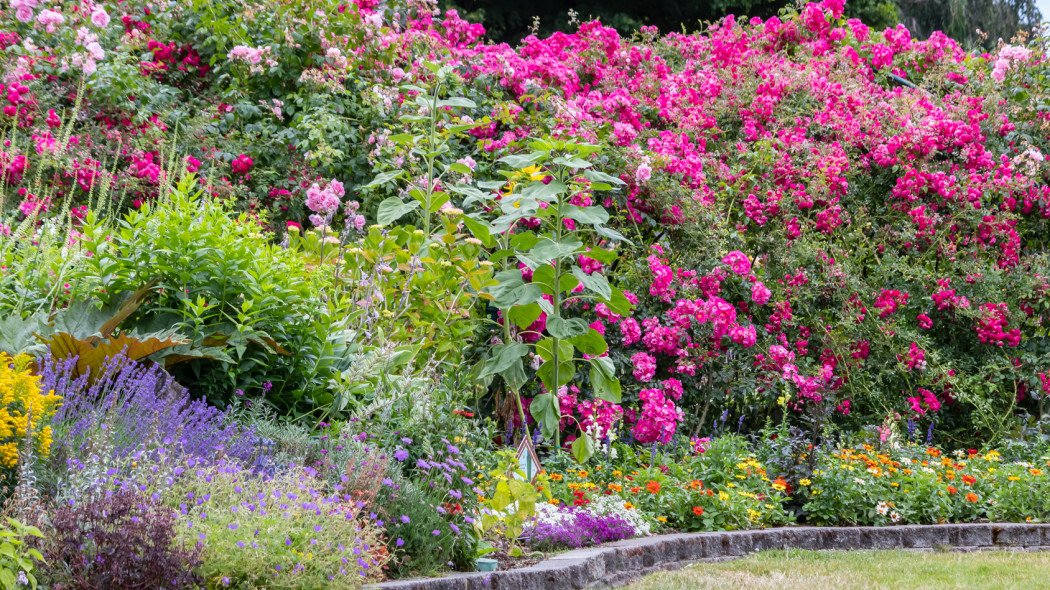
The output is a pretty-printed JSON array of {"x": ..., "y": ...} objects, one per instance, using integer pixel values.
[{"x": 834, "y": 570}]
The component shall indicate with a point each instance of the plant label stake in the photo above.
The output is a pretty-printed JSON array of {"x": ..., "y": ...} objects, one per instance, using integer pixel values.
[{"x": 528, "y": 462}]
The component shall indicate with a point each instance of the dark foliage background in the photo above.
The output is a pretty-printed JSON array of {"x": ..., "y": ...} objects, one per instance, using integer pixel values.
[{"x": 508, "y": 21}]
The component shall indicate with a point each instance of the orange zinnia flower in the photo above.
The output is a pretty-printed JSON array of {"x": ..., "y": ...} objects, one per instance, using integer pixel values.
[
  {"x": 635, "y": 489},
  {"x": 696, "y": 484},
  {"x": 952, "y": 490},
  {"x": 698, "y": 510},
  {"x": 653, "y": 487},
  {"x": 971, "y": 497},
  {"x": 969, "y": 479}
]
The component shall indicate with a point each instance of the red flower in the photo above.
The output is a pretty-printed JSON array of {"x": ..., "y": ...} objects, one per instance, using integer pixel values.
[
  {"x": 653, "y": 487},
  {"x": 462, "y": 413},
  {"x": 698, "y": 510}
]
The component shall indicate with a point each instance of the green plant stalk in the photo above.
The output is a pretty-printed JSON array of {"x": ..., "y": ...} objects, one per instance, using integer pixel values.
[
  {"x": 430, "y": 160},
  {"x": 555, "y": 341},
  {"x": 506, "y": 339}
]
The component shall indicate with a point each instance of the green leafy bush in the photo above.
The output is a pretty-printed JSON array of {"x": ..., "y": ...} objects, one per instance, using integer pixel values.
[{"x": 18, "y": 557}]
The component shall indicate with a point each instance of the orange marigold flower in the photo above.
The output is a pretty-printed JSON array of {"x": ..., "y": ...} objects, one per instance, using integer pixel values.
[
  {"x": 653, "y": 487},
  {"x": 556, "y": 477},
  {"x": 971, "y": 497},
  {"x": 698, "y": 510}
]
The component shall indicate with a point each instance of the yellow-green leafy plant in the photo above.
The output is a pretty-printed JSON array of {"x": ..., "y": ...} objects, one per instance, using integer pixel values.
[
  {"x": 16, "y": 556},
  {"x": 511, "y": 502}
]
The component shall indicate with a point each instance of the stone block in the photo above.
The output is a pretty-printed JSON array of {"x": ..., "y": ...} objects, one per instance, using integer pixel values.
[
  {"x": 840, "y": 538},
  {"x": 712, "y": 545},
  {"x": 629, "y": 558},
  {"x": 806, "y": 538},
  {"x": 880, "y": 537},
  {"x": 691, "y": 548},
  {"x": 920, "y": 536},
  {"x": 970, "y": 535},
  {"x": 767, "y": 539},
  {"x": 736, "y": 543},
  {"x": 1016, "y": 535}
]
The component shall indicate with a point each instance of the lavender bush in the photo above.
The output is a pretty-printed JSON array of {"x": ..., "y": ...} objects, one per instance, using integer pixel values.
[
  {"x": 138, "y": 406},
  {"x": 573, "y": 527}
]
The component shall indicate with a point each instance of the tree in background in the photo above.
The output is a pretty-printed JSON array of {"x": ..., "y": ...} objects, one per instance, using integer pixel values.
[
  {"x": 507, "y": 21},
  {"x": 972, "y": 23}
]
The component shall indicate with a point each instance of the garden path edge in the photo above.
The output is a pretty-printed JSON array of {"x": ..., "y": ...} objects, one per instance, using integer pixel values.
[{"x": 617, "y": 564}]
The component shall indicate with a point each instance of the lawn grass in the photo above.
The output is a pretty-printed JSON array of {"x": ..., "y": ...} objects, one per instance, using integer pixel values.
[{"x": 833, "y": 570}]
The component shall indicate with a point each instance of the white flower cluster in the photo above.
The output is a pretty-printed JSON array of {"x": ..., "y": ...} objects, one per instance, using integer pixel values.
[
  {"x": 615, "y": 505},
  {"x": 552, "y": 515}
]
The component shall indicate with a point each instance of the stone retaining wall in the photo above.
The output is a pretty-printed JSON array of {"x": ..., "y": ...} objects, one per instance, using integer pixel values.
[{"x": 617, "y": 564}]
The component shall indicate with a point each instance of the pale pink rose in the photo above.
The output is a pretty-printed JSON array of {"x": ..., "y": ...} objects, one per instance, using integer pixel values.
[
  {"x": 95, "y": 50},
  {"x": 100, "y": 18}
]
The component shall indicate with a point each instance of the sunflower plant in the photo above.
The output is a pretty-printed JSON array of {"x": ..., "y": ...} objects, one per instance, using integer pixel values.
[{"x": 549, "y": 219}]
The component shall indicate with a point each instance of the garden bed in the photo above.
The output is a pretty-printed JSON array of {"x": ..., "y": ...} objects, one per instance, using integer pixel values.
[{"x": 617, "y": 564}]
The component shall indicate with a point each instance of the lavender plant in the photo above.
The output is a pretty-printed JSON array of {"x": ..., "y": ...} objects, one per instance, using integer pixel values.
[{"x": 136, "y": 406}]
